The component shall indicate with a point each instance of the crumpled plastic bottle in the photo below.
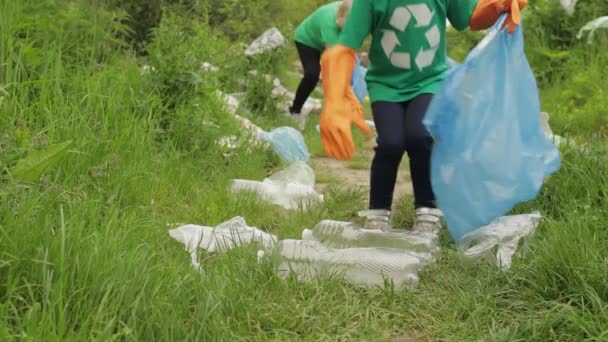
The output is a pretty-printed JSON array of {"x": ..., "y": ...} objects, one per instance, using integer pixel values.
[
  {"x": 339, "y": 234},
  {"x": 359, "y": 266}
]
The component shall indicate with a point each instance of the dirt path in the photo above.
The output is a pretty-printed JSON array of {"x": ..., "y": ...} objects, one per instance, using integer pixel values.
[{"x": 355, "y": 173}]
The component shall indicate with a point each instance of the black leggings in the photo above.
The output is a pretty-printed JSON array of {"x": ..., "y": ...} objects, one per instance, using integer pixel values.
[
  {"x": 400, "y": 129},
  {"x": 311, "y": 62}
]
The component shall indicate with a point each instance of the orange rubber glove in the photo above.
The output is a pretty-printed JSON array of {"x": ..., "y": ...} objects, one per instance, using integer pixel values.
[
  {"x": 487, "y": 12},
  {"x": 341, "y": 108}
]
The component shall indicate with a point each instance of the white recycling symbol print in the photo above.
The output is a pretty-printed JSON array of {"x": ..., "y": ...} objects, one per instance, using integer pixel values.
[{"x": 400, "y": 19}]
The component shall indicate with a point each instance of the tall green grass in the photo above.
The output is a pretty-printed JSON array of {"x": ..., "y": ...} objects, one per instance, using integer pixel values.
[{"x": 84, "y": 250}]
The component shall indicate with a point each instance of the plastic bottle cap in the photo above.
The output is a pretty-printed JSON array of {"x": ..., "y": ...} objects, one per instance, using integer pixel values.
[{"x": 307, "y": 234}]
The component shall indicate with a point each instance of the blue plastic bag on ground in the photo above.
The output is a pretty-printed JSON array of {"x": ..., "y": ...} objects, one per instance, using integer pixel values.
[
  {"x": 358, "y": 81},
  {"x": 288, "y": 143},
  {"x": 490, "y": 152}
]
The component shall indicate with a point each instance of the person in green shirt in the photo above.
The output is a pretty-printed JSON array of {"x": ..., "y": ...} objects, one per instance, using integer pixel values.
[
  {"x": 318, "y": 31},
  {"x": 407, "y": 63}
]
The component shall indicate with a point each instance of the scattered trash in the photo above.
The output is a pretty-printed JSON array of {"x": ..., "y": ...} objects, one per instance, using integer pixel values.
[
  {"x": 279, "y": 91},
  {"x": 221, "y": 238},
  {"x": 297, "y": 172},
  {"x": 555, "y": 139},
  {"x": 250, "y": 126},
  {"x": 359, "y": 266},
  {"x": 228, "y": 142},
  {"x": 339, "y": 234},
  {"x": 592, "y": 26},
  {"x": 568, "y": 6},
  {"x": 206, "y": 66},
  {"x": 288, "y": 143},
  {"x": 504, "y": 234},
  {"x": 269, "y": 40},
  {"x": 290, "y": 188},
  {"x": 231, "y": 102},
  {"x": 146, "y": 69},
  {"x": 490, "y": 152}
]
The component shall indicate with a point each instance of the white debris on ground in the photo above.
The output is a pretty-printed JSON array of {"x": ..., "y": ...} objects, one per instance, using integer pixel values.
[
  {"x": 291, "y": 188},
  {"x": 206, "y": 66},
  {"x": 146, "y": 69},
  {"x": 499, "y": 240},
  {"x": 568, "y": 6},
  {"x": 221, "y": 238},
  {"x": 556, "y": 139},
  {"x": 591, "y": 27},
  {"x": 269, "y": 40}
]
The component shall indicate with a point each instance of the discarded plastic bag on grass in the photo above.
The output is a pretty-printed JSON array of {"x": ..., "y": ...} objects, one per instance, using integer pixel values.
[
  {"x": 556, "y": 139},
  {"x": 592, "y": 26},
  {"x": 290, "y": 188},
  {"x": 359, "y": 266},
  {"x": 288, "y": 143},
  {"x": 223, "y": 237},
  {"x": 490, "y": 152},
  {"x": 297, "y": 172},
  {"x": 568, "y": 6},
  {"x": 269, "y": 40},
  {"x": 504, "y": 235}
]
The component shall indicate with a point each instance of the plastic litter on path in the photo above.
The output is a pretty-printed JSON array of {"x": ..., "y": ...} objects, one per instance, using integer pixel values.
[
  {"x": 290, "y": 188},
  {"x": 286, "y": 141},
  {"x": 504, "y": 234},
  {"x": 221, "y": 238}
]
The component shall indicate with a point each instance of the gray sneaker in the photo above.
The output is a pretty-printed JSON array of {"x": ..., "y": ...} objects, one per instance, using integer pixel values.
[
  {"x": 376, "y": 218},
  {"x": 428, "y": 220}
]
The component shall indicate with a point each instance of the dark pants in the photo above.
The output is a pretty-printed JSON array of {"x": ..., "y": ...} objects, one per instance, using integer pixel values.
[
  {"x": 400, "y": 129},
  {"x": 311, "y": 62}
]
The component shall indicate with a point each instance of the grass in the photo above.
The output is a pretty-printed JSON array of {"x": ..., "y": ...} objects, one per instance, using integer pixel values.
[{"x": 85, "y": 253}]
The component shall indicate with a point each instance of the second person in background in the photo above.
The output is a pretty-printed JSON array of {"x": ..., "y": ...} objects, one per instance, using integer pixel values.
[{"x": 317, "y": 32}]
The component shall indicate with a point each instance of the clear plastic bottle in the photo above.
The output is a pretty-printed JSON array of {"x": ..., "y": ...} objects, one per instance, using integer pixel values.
[
  {"x": 338, "y": 234},
  {"x": 369, "y": 266}
]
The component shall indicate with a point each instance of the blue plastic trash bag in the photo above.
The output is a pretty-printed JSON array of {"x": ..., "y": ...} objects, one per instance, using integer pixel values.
[
  {"x": 288, "y": 143},
  {"x": 490, "y": 152},
  {"x": 358, "y": 81}
]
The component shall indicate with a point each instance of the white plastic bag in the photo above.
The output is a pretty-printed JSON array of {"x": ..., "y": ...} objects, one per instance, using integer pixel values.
[
  {"x": 221, "y": 238},
  {"x": 592, "y": 26},
  {"x": 568, "y": 6},
  {"x": 289, "y": 188},
  {"x": 503, "y": 234}
]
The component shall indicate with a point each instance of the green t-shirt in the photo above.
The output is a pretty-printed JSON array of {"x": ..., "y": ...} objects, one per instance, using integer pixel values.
[
  {"x": 320, "y": 28},
  {"x": 407, "y": 56}
]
